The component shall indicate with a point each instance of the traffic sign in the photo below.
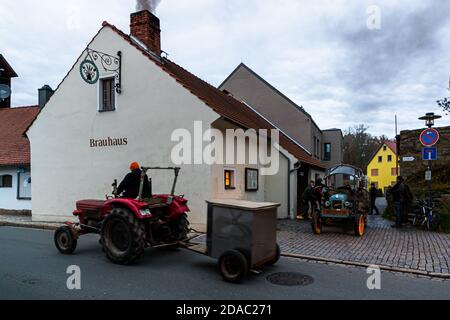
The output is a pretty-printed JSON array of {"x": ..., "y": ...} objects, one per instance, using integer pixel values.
[
  {"x": 408, "y": 159},
  {"x": 429, "y": 154},
  {"x": 428, "y": 175},
  {"x": 429, "y": 137}
]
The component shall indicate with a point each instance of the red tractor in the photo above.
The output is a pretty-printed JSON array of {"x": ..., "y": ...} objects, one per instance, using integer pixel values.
[{"x": 128, "y": 226}]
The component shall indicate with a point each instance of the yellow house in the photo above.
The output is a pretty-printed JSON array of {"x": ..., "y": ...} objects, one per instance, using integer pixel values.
[{"x": 382, "y": 169}]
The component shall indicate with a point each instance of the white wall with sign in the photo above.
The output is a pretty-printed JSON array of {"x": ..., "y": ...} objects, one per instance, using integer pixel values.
[{"x": 9, "y": 193}]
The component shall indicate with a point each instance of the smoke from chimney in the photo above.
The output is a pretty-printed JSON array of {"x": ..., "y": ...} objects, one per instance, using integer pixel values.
[{"x": 149, "y": 5}]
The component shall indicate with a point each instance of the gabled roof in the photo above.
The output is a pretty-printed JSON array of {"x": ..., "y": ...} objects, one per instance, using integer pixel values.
[
  {"x": 8, "y": 69},
  {"x": 271, "y": 87},
  {"x": 14, "y": 146},
  {"x": 392, "y": 145},
  {"x": 218, "y": 101},
  {"x": 226, "y": 106}
]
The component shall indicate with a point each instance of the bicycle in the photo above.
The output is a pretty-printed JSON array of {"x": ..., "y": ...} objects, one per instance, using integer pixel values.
[{"x": 426, "y": 217}]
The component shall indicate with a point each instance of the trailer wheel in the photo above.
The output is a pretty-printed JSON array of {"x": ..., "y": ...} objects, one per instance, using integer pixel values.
[
  {"x": 276, "y": 258},
  {"x": 123, "y": 237},
  {"x": 316, "y": 223},
  {"x": 64, "y": 240},
  {"x": 233, "y": 266},
  {"x": 360, "y": 225}
]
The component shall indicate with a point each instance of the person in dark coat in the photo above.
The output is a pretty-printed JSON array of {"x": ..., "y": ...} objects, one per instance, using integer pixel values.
[
  {"x": 401, "y": 196},
  {"x": 373, "y": 198},
  {"x": 131, "y": 184},
  {"x": 308, "y": 200},
  {"x": 319, "y": 193}
]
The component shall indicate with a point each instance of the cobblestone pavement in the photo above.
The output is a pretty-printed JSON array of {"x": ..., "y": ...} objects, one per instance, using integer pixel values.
[{"x": 406, "y": 248}]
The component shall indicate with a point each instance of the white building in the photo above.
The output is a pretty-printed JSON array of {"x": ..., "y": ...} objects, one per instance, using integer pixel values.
[
  {"x": 15, "y": 179},
  {"x": 88, "y": 133}
]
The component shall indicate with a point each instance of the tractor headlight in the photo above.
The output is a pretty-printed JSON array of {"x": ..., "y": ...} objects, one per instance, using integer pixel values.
[
  {"x": 145, "y": 212},
  {"x": 348, "y": 204},
  {"x": 327, "y": 204}
]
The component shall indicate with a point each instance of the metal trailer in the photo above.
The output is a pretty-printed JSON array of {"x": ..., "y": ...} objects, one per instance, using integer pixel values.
[{"x": 242, "y": 235}]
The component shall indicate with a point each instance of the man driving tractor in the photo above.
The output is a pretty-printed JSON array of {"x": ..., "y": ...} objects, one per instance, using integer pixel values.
[{"x": 131, "y": 183}]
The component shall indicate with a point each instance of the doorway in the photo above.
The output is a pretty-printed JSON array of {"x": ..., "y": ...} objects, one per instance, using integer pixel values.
[{"x": 302, "y": 184}]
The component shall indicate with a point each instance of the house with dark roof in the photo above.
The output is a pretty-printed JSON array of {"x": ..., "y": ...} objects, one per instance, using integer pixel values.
[
  {"x": 124, "y": 101},
  {"x": 15, "y": 177},
  {"x": 326, "y": 146}
]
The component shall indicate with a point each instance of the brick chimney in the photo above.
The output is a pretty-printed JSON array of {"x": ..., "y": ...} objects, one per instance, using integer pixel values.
[{"x": 146, "y": 28}]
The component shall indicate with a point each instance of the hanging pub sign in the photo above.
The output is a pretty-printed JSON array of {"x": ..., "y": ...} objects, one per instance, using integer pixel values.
[{"x": 89, "y": 68}]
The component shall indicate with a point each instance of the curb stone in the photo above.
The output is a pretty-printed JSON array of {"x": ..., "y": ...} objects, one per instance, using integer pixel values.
[
  {"x": 366, "y": 265},
  {"x": 30, "y": 225}
]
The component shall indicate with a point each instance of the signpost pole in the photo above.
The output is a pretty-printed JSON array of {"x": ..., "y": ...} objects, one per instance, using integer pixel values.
[{"x": 429, "y": 118}]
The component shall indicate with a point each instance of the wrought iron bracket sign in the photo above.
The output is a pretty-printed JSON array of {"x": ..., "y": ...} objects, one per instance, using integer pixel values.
[{"x": 89, "y": 68}]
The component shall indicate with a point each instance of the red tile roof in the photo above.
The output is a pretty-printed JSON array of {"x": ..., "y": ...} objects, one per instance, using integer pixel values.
[
  {"x": 14, "y": 146},
  {"x": 222, "y": 103},
  {"x": 392, "y": 145}
]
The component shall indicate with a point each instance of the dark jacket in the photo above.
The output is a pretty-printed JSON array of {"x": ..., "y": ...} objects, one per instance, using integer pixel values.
[
  {"x": 131, "y": 184},
  {"x": 309, "y": 194},
  {"x": 401, "y": 193},
  {"x": 373, "y": 194}
]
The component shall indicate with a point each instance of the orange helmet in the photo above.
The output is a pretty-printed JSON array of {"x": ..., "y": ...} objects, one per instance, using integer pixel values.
[{"x": 135, "y": 166}]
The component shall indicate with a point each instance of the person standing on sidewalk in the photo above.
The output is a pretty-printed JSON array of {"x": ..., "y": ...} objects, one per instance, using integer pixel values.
[
  {"x": 401, "y": 196},
  {"x": 308, "y": 200},
  {"x": 373, "y": 198}
]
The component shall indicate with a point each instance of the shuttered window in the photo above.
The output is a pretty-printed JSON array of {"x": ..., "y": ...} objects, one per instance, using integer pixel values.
[{"x": 107, "y": 99}]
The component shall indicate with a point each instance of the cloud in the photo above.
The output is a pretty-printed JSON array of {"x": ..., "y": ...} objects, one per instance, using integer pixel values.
[{"x": 319, "y": 53}]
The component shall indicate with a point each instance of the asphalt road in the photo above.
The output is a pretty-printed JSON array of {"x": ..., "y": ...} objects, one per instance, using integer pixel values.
[{"x": 31, "y": 268}]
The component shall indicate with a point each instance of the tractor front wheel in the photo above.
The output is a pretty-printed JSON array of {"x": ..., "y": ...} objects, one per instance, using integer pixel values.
[
  {"x": 317, "y": 223},
  {"x": 64, "y": 240},
  {"x": 360, "y": 225},
  {"x": 123, "y": 237}
]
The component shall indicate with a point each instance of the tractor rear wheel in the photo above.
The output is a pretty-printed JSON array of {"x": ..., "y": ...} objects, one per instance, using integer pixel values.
[
  {"x": 64, "y": 240},
  {"x": 123, "y": 237}
]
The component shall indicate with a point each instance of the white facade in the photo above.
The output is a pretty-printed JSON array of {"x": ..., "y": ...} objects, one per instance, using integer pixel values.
[
  {"x": 17, "y": 196},
  {"x": 66, "y": 167}
]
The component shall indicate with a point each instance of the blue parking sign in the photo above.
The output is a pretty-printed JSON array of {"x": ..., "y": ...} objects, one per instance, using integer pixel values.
[{"x": 429, "y": 154}]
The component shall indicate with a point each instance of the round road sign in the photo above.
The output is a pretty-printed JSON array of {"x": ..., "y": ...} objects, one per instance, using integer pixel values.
[{"x": 429, "y": 137}]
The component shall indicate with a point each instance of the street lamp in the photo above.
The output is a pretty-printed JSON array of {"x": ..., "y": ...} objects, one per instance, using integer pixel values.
[{"x": 429, "y": 119}]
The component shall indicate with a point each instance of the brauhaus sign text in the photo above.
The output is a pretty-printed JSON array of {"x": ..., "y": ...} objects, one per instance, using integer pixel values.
[{"x": 108, "y": 142}]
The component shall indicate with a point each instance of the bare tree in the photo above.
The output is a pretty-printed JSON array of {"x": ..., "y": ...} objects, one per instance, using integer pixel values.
[{"x": 360, "y": 146}]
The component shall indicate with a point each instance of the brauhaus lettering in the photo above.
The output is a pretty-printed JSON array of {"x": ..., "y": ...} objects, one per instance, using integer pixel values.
[{"x": 109, "y": 142}]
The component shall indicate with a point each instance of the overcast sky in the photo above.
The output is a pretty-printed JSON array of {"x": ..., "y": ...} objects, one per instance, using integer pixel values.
[{"x": 335, "y": 57}]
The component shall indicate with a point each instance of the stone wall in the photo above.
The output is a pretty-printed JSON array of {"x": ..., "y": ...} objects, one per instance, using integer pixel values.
[
  {"x": 414, "y": 171},
  {"x": 5, "y": 212}
]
